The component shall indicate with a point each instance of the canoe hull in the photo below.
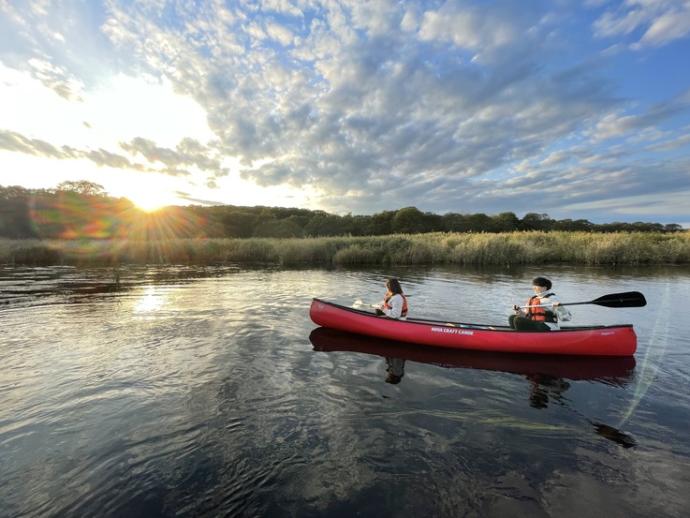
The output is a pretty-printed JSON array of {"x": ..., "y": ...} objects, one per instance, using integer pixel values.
[{"x": 583, "y": 341}]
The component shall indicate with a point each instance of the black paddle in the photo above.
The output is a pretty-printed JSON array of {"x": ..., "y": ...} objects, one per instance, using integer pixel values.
[{"x": 629, "y": 299}]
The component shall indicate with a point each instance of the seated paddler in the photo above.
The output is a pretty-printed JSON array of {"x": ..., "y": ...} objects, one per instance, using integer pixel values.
[
  {"x": 543, "y": 310},
  {"x": 394, "y": 303}
]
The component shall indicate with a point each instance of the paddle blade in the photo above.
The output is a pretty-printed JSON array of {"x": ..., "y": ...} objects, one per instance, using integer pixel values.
[{"x": 629, "y": 299}]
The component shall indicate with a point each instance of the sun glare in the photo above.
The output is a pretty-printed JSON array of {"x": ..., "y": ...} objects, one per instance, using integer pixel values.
[{"x": 150, "y": 201}]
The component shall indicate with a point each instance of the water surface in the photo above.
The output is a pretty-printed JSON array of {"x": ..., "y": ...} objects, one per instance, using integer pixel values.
[{"x": 199, "y": 392}]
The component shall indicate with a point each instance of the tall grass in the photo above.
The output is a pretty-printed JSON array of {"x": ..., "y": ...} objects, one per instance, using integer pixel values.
[{"x": 624, "y": 248}]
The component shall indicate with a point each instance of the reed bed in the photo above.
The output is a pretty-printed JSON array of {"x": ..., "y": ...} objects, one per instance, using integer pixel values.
[{"x": 623, "y": 248}]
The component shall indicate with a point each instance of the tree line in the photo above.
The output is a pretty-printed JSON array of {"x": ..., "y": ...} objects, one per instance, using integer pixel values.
[{"x": 83, "y": 210}]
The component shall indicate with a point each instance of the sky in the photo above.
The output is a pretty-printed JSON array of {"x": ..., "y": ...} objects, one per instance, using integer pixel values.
[{"x": 578, "y": 109}]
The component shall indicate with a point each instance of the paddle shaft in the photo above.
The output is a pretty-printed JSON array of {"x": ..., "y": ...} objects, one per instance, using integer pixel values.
[
  {"x": 629, "y": 299},
  {"x": 365, "y": 304},
  {"x": 373, "y": 306},
  {"x": 561, "y": 304}
]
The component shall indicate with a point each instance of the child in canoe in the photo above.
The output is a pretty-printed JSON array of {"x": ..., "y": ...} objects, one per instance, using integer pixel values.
[
  {"x": 543, "y": 310},
  {"x": 394, "y": 303}
]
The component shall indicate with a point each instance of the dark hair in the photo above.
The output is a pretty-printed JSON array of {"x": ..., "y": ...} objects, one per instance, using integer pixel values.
[
  {"x": 393, "y": 286},
  {"x": 541, "y": 281}
]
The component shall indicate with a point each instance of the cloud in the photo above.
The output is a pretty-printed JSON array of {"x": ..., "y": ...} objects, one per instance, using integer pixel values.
[
  {"x": 673, "y": 144},
  {"x": 377, "y": 18},
  {"x": 39, "y": 32},
  {"x": 18, "y": 143},
  {"x": 279, "y": 33},
  {"x": 188, "y": 152},
  {"x": 410, "y": 21},
  {"x": 612, "y": 179},
  {"x": 12, "y": 141},
  {"x": 557, "y": 157},
  {"x": 662, "y": 21},
  {"x": 281, "y": 6},
  {"x": 468, "y": 27},
  {"x": 668, "y": 27},
  {"x": 614, "y": 124},
  {"x": 198, "y": 201},
  {"x": 101, "y": 157},
  {"x": 57, "y": 79}
]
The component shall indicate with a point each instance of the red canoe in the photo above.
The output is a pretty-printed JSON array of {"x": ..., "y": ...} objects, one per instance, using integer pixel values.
[{"x": 619, "y": 340}]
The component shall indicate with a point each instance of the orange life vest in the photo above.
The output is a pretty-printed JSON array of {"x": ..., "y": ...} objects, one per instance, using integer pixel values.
[
  {"x": 540, "y": 314},
  {"x": 388, "y": 296}
]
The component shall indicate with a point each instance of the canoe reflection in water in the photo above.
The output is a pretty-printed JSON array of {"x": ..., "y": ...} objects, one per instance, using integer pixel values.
[{"x": 546, "y": 375}]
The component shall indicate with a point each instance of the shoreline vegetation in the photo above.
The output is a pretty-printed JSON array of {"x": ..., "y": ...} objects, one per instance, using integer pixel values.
[{"x": 508, "y": 248}]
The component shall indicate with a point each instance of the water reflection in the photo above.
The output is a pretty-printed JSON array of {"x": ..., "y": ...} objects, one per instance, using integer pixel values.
[
  {"x": 540, "y": 370},
  {"x": 395, "y": 370},
  {"x": 24, "y": 286},
  {"x": 150, "y": 301},
  {"x": 543, "y": 387},
  {"x": 547, "y": 376},
  {"x": 614, "y": 434}
]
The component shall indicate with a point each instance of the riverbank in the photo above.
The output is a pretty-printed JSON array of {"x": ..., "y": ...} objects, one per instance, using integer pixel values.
[{"x": 621, "y": 248}]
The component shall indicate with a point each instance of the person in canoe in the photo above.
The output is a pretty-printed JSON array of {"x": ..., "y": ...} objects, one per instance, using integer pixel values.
[
  {"x": 394, "y": 303},
  {"x": 543, "y": 311}
]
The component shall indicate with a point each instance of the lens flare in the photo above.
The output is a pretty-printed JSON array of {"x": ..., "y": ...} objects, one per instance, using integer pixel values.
[
  {"x": 99, "y": 228},
  {"x": 654, "y": 355}
]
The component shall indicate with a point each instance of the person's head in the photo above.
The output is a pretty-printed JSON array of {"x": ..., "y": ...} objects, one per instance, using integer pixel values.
[
  {"x": 393, "y": 285},
  {"x": 541, "y": 284}
]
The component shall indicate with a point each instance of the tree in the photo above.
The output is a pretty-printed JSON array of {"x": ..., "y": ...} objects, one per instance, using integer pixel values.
[
  {"x": 278, "y": 228},
  {"x": 15, "y": 219},
  {"x": 581, "y": 225},
  {"x": 454, "y": 222},
  {"x": 672, "y": 227},
  {"x": 82, "y": 187},
  {"x": 534, "y": 221},
  {"x": 506, "y": 222},
  {"x": 409, "y": 220},
  {"x": 378, "y": 224},
  {"x": 479, "y": 222},
  {"x": 323, "y": 224},
  {"x": 238, "y": 223}
]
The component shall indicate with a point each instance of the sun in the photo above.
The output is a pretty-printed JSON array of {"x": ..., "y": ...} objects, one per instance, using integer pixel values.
[{"x": 150, "y": 201}]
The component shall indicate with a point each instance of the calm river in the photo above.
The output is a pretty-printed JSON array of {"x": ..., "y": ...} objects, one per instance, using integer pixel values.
[{"x": 199, "y": 392}]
